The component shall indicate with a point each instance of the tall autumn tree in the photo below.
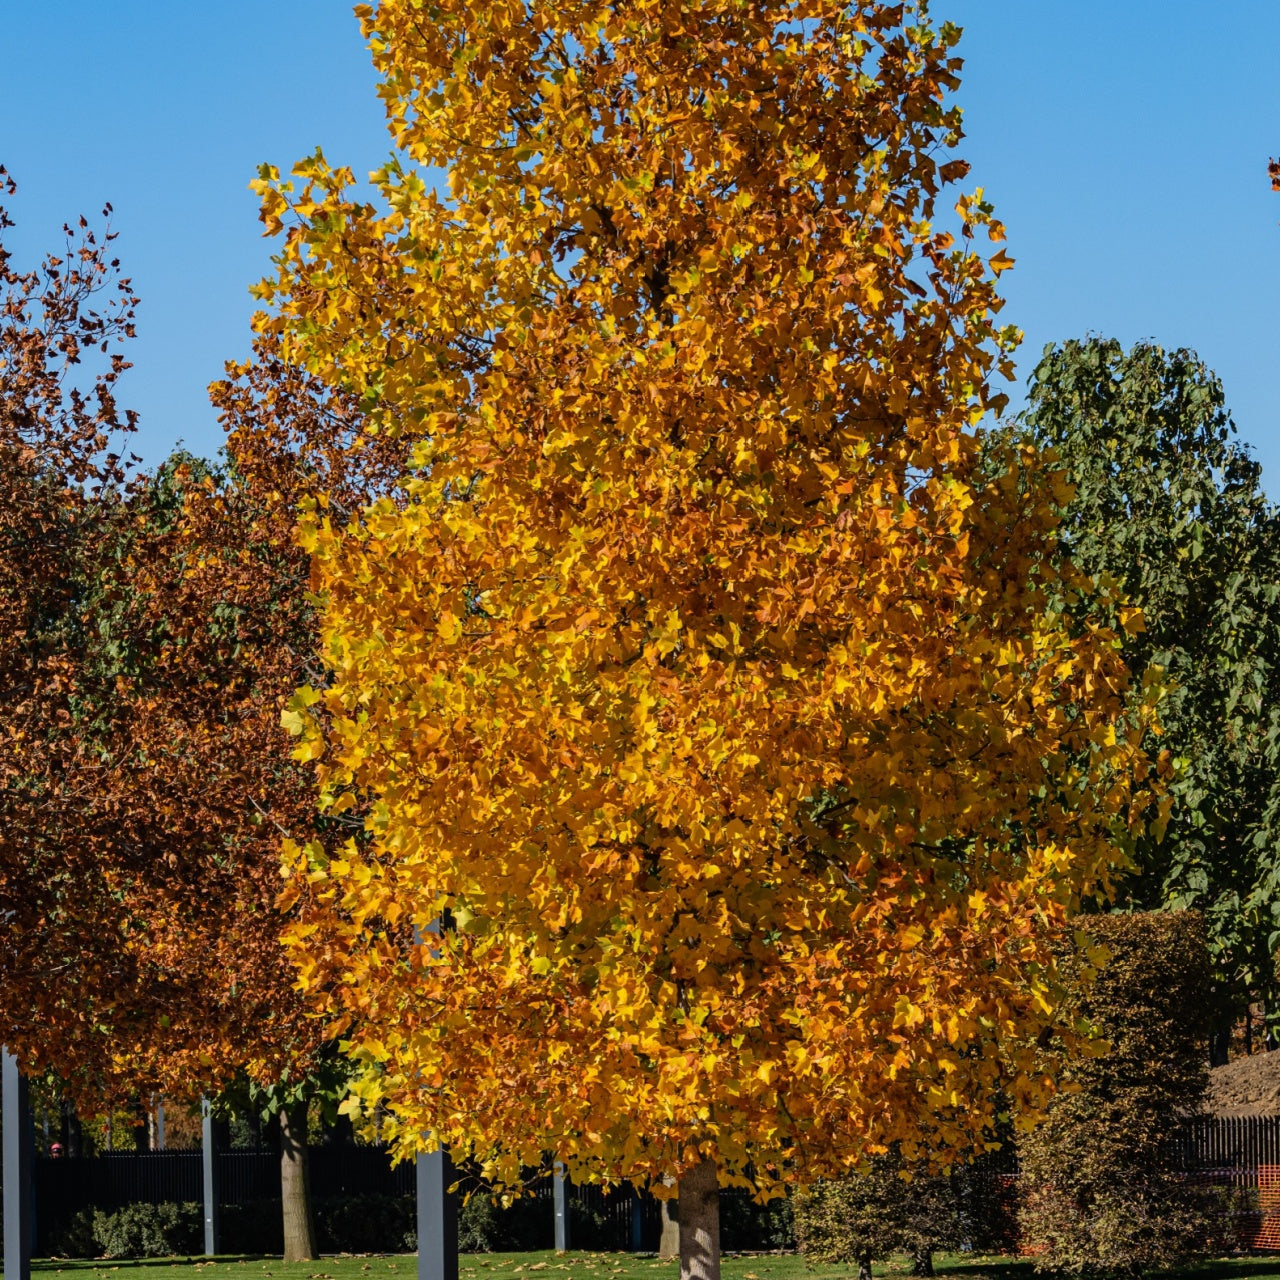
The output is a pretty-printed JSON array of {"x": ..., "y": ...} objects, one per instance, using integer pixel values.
[
  {"x": 154, "y": 626},
  {"x": 701, "y": 681},
  {"x": 64, "y": 325},
  {"x": 1166, "y": 503}
]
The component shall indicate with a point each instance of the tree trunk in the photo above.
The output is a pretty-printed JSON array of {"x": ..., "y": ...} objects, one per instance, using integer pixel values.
[
  {"x": 864, "y": 1267},
  {"x": 699, "y": 1218},
  {"x": 141, "y": 1127},
  {"x": 72, "y": 1133},
  {"x": 922, "y": 1262},
  {"x": 669, "y": 1241},
  {"x": 1219, "y": 1045},
  {"x": 295, "y": 1190}
]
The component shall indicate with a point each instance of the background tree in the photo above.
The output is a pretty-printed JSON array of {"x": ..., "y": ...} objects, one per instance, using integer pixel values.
[
  {"x": 702, "y": 679},
  {"x": 60, "y": 359},
  {"x": 1099, "y": 1195},
  {"x": 1169, "y": 507},
  {"x": 155, "y": 625}
]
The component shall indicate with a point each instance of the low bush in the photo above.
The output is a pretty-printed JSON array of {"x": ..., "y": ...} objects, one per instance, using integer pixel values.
[
  {"x": 858, "y": 1219},
  {"x": 366, "y": 1224},
  {"x": 149, "y": 1231},
  {"x": 487, "y": 1226},
  {"x": 349, "y": 1224},
  {"x": 748, "y": 1226},
  {"x": 1099, "y": 1195}
]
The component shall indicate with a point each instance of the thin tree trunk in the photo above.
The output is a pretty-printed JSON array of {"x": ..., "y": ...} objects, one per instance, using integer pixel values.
[
  {"x": 141, "y": 1127},
  {"x": 295, "y": 1190},
  {"x": 669, "y": 1240},
  {"x": 72, "y": 1133},
  {"x": 699, "y": 1217}
]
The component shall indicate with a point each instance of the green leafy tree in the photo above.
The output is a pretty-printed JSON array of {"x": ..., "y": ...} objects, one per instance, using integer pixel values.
[
  {"x": 1168, "y": 506},
  {"x": 1099, "y": 1194}
]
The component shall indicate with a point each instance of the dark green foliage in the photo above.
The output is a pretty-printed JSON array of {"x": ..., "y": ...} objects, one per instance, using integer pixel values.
[
  {"x": 1099, "y": 1195},
  {"x": 73, "y": 1237},
  {"x": 347, "y": 1224},
  {"x": 367, "y": 1224},
  {"x": 486, "y": 1226},
  {"x": 149, "y": 1231},
  {"x": 746, "y": 1225},
  {"x": 870, "y": 1216},
  {"x": 1169, "y": 507}
]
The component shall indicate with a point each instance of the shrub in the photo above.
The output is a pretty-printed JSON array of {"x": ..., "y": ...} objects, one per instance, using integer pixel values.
[
  {"x": 871, "y": 1215},
  {"x": 73, "y": 1237},
  {"x": 744, "y": 1224},
  {"x": 1098, "y": 1193},
  {"x": 252, "y": 1228},
  {"x": 366, "y": 1224},
  {"x": 149, "y": 1231}
]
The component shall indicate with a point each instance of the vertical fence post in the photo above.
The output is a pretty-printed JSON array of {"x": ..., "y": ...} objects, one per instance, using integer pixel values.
[
  {"x": 210, "y": 1180},
  {"x": 437, "y": 1206},
  {"x": 437, "y": 1218},
  {"x": 160, "y": 1124},
  {"x": 561, "y": 1208},
  {"x": 19, "y": 1203}
]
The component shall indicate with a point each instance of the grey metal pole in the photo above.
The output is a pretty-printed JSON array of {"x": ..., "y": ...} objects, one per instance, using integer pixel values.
[
  {"x": 437, "y": 1207},
  {"x": 210, "y": 1181},
  {"x": 160, "y": 1125},
  {"x": 562, "y": 1208},
  {"x": 437, "y": 1218},
  {"x": 19, "y": 1203}
]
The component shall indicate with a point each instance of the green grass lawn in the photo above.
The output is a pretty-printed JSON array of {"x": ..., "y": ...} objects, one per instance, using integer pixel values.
[{"x": 579, "y": 1266}]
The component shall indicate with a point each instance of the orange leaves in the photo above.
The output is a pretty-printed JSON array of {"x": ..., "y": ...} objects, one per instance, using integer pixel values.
[{"x": 701, "y": 674}]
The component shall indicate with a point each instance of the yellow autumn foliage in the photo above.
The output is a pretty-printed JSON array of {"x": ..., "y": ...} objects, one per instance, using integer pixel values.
[{"x": 705, "y": 675}]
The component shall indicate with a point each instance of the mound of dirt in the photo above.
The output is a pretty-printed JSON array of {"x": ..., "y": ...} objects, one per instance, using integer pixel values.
[{"x": 1248, "y": 1086}]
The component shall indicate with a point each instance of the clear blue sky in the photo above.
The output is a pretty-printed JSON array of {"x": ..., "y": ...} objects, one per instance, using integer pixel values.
[{"x": 1124, "y": 142}]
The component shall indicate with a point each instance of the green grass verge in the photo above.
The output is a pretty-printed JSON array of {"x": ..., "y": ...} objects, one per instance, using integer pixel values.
[{"x": 582, "y": 1266}]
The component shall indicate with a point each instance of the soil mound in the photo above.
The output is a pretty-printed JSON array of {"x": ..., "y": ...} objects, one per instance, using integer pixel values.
[{"x": 1248, "y": 1086}]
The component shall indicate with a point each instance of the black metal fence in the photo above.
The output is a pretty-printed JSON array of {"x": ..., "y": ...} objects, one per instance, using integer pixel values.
[
  {"x": 623, "y": 1219},
  {"x": 112, "y": 1180},
  {"x": 1228, "y": 1142}
]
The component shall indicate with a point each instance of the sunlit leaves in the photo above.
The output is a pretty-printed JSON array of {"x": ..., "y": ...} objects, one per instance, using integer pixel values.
[{"x": 702, "y": 677}]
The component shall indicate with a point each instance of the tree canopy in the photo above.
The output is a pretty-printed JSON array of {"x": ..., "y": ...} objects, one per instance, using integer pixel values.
[
  {"x": 704, "y": 680},
  {"x": 1169, "y": 507},
  {"x": 154, "y": 625}
]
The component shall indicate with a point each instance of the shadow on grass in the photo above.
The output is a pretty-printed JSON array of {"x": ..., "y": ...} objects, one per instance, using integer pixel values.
[
  {"x": 1258, "y": 1267},
  {"x": 195, "y": 1261}
]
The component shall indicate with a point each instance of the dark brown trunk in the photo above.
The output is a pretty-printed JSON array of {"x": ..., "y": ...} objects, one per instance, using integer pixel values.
[
  {"x": 922, "y": 1262},
  {"x": 1219, "y": 1045},
  {"x": 699, "y": 1218},
  {"x": 72, "y": 1134},
  {"x": 864, "y": 1267},
  {"x": 295, "y": 1190},
  {"x": 141, "y": 1128},
  {"x": 669, "y": 1240}
]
